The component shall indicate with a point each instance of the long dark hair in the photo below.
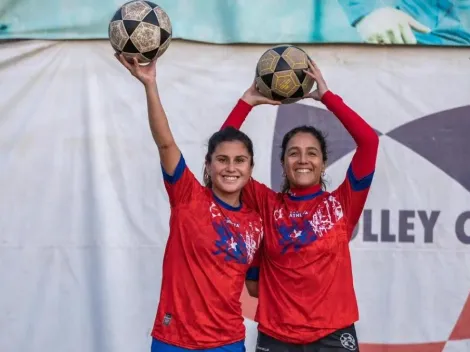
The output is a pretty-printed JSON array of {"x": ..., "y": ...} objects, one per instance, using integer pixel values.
[
  {"x": 228, "y": 134},
  {"x": 319, "y": 135}
]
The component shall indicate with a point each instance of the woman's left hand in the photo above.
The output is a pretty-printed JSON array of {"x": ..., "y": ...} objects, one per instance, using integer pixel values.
[{"x": 317, "y": 76}]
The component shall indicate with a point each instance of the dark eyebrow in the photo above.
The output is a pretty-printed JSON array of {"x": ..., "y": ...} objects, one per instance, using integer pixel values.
[
  {"x": 292, "y": 148},
  {"x": 236, "y": 156},
  {"x": 314, "y": 148},
  {"x": 297, "y": 148}
]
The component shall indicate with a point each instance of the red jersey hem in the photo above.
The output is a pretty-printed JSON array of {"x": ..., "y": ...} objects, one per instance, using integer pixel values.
[
  {"x": 196, "y": 347},
  {"x": 319, "y": 334}
]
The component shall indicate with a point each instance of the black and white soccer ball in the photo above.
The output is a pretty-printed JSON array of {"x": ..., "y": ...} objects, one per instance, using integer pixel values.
[
  {"x": 140, "y": 29},
  {"x": 280, "y": 74}
]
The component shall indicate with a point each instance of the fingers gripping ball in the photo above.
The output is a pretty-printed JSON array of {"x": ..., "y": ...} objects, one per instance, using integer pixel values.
[
  {"x": 280, "y": 74},
  {"x": 140, "y": 29}
]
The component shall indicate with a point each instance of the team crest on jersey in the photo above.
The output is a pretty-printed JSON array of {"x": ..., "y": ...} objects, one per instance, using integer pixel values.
[
  {"x": 237, "y": 243},
  {"x": 298, "y": 229}
]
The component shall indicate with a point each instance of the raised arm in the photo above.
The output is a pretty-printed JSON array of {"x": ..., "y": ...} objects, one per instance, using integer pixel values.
[
  {"x": 254, "y": 194},
  {"x": 170, "y": 154},
  {"x": 366, "y": 139},
  {"x": 245, "y": 104},
  {"x": 353, "y": 192}
]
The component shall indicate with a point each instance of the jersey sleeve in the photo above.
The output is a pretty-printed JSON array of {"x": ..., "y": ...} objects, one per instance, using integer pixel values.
[
  {"x": 353, "y": 192},
  {"x": 238, "y": 115},
  {"x": 352, "y": 195},
  {"x": 181, "y": 185},
  {"x": 256, "y": 195}
]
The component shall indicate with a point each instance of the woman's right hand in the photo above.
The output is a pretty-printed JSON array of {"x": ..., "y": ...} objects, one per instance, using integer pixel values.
[
  {"x": 144, "y": 73},
  {"x": 253, "y": 97}
]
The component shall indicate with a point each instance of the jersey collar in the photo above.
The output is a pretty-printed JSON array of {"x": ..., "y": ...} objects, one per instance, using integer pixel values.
[
  {"x": 226, "y": 205},
  {"x": 305, "y": 193}
]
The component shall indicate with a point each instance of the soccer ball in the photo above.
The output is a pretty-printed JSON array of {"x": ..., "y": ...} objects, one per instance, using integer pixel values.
[
  {"x": 140, "y": 29},
  {"x": 280, "y": 76}
]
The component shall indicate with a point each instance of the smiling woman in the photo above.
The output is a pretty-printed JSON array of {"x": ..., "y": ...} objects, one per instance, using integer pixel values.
[
  {"x": 304, "y": 157},
  {"x": 213, "y": 237},
  {"x": 229, "y": 164},
  {"x": 305, "y": 292}
]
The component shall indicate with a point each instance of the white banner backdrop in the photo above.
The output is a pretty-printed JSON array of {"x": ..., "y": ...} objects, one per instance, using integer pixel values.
[{"x": 84, "y": 214}]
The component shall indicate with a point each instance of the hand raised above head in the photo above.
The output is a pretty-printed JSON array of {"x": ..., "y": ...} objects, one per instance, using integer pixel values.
[
  {"x": 253, "y": 97},
  {"x": 315, "y": 73},
  {"x": 144, "y": 73}
]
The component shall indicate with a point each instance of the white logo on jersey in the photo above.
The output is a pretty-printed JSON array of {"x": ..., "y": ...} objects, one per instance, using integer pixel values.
[
  {"x": 326, "y": 216},
  {"x": 278, "y": 214},
  {"x": 297, "y": 214},
  {"x": 214, "y": 210},
  {"x": 328, "y": 212}
]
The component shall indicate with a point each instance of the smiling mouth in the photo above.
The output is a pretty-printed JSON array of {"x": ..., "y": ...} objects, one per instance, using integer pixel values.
[
  {"x": 230, "y": 178},
  {"x": 303, "y": 171}
]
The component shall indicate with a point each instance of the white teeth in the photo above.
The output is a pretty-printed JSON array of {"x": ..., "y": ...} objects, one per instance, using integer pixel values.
[
  {"x": 230, "y": 178},
  {"x": 302, "y": 171}
]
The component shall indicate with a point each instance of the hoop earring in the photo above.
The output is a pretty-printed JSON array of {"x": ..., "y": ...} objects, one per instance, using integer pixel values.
[{"x": 206, "y": 177}]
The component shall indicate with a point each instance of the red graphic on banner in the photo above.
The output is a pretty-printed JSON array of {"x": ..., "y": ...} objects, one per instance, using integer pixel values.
[
  {"x": 462, "y": 328},
  {"x": 418, "y": 347}
]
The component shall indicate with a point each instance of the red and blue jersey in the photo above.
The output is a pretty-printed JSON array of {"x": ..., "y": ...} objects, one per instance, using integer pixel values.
[
  {"x": 305, "y": 277},
  {"x": 304, "y": 269},
  {"x": 210, "y": 247}
]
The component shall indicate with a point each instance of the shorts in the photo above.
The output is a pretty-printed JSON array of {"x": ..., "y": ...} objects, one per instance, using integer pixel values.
[
  {"x": 342, "y": 340},
  {"x": 158, "y": 346}
]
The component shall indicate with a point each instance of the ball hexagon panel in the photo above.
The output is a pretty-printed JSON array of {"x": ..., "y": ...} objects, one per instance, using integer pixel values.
[
  {"x": 146, "y": 37},
  {"x": 163, "y": 19},
  {"x": 296, "y": 58},
  {"x": 135, "y": 10},
  {"x": 268, "y": 62},
  {"x": 285, "y": 83},
  {"x": 118, "y": 35}
]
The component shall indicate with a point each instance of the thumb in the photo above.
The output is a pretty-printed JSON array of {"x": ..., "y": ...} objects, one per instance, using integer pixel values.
[
  {"x": 417, "y": 26},
  {"x": 309, "y": 95},
  {"x": 265, "y": 100}
]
